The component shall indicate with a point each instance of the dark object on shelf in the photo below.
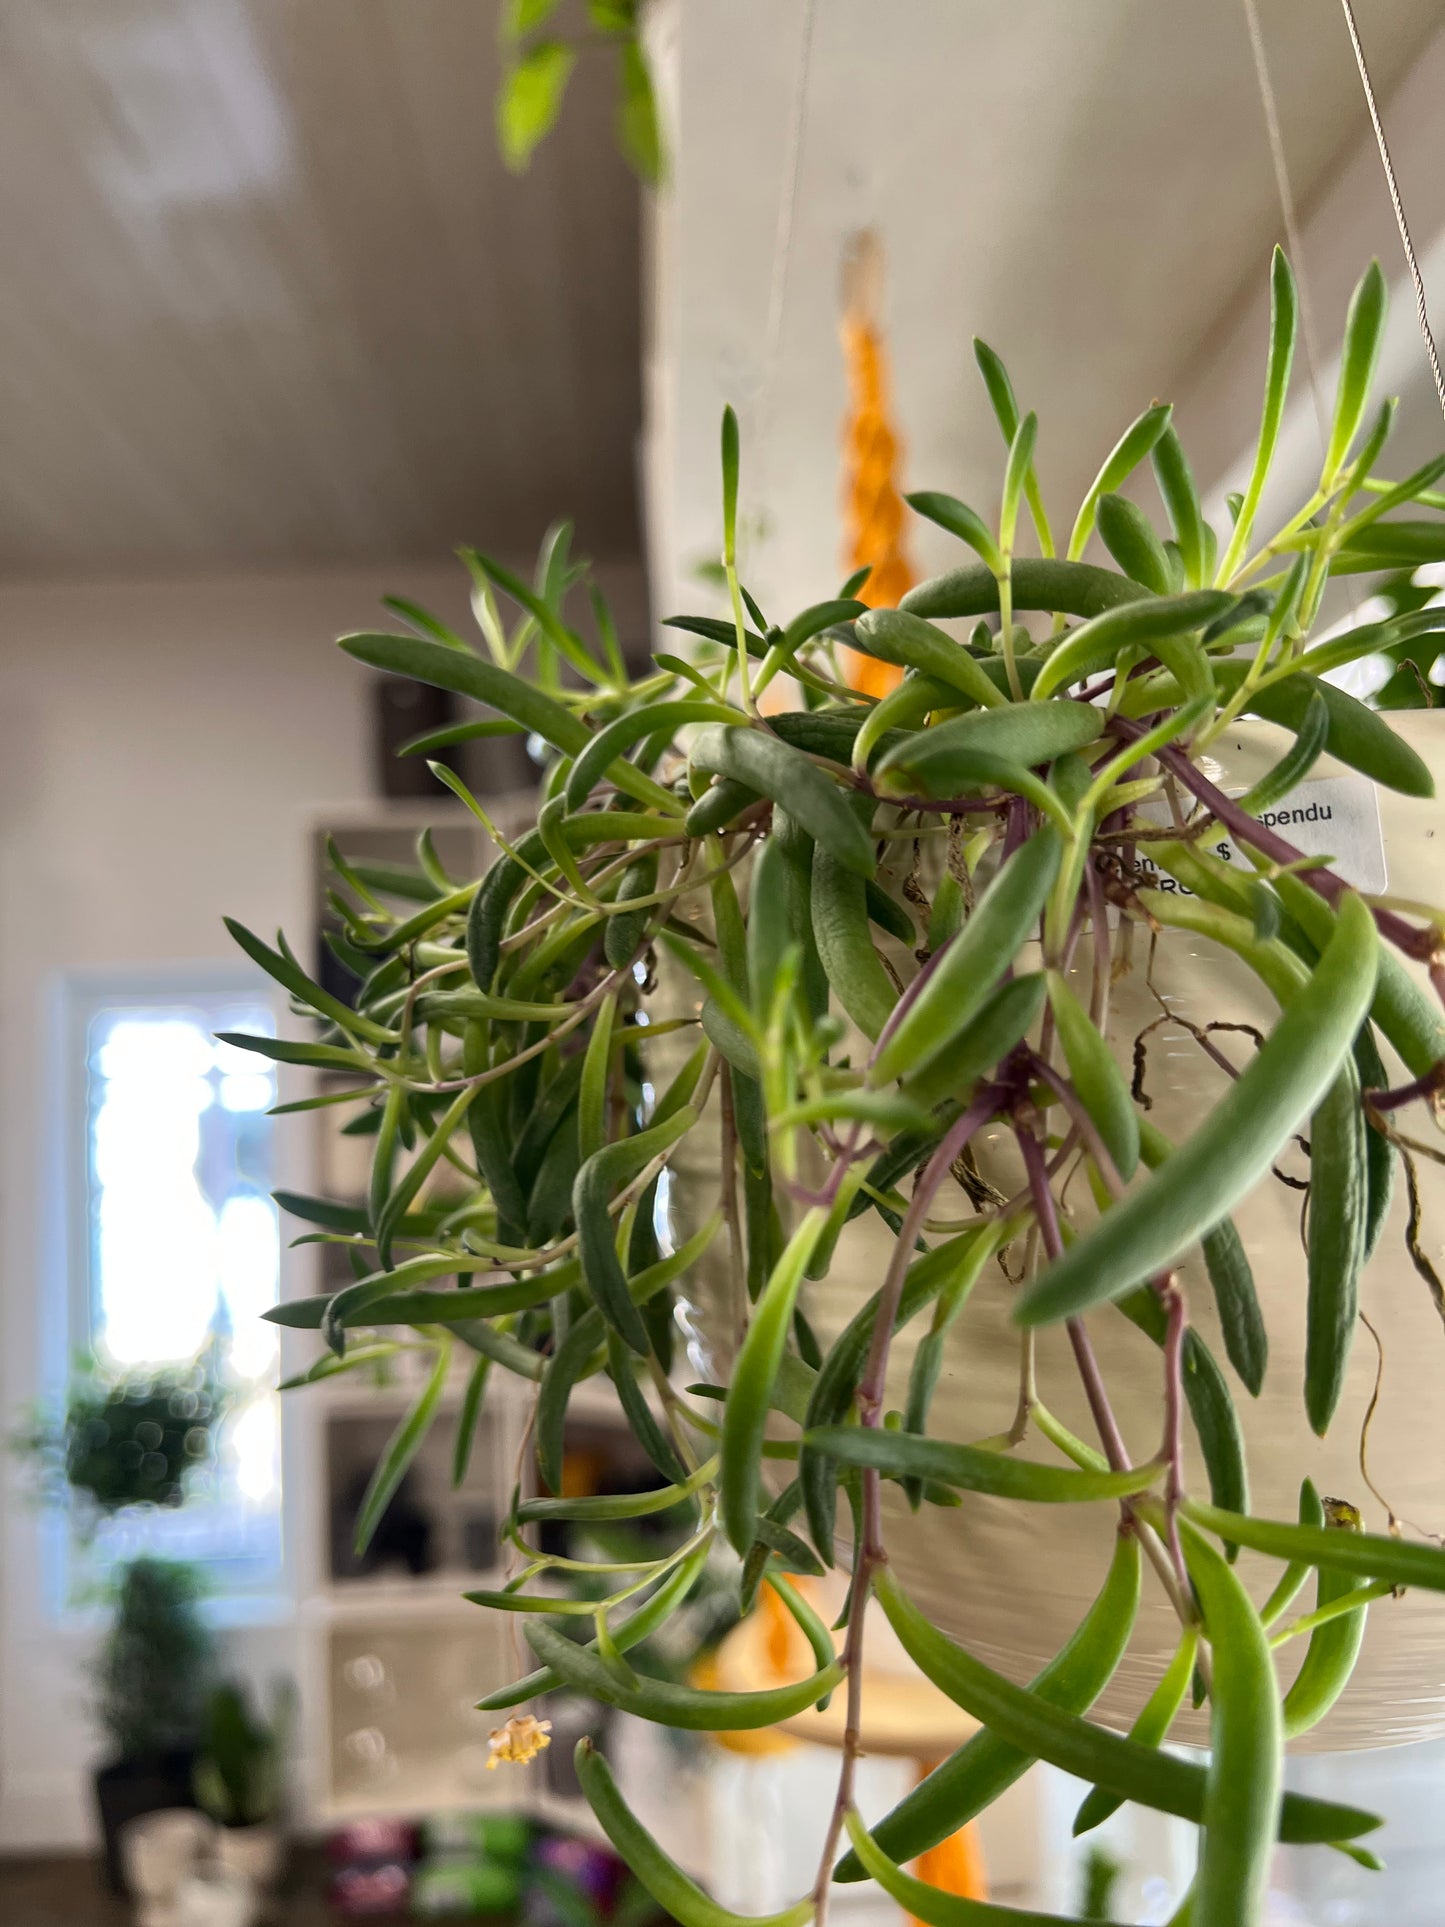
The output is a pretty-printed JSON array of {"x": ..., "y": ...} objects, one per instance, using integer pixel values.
[
  {"x": 127, "y": 1789},
  {"x": 403, "y": 1536},
  {"x": 401, "y": 710},
  {"x": 332, "y": 974},
  {"x": 479, "y": 1541},
  {"x": 572, "y": 1719},
  {"x": 152, "y": 1678}
]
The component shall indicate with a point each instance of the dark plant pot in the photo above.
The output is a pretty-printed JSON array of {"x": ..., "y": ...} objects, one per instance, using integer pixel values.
[{"x": 125, "y": 1789}]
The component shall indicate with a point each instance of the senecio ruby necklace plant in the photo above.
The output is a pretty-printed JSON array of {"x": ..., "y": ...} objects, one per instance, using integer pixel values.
[{"x": 903, "y": 919}]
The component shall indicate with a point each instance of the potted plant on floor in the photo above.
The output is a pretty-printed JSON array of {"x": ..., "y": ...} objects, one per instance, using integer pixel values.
[
  {"x": 151, "y": 1681},
  {"x": 239, "y": 1780},
  {"x": 777, "y": 974}
]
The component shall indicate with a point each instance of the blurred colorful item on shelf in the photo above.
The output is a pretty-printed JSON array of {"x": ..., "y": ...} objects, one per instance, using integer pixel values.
[
  {"x": 372, "y": 1839},
  {"x": 494, "y": 1836},
  {"x": 574, "y": 1883},
  {"x": 373, "y": 1858},
  {"x": 380, "y": 1887},
  {"x": 466, "y": 1885}
]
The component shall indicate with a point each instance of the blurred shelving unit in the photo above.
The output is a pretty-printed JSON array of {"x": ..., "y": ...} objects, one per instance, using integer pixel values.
[{"x": 396, "y": 1658}]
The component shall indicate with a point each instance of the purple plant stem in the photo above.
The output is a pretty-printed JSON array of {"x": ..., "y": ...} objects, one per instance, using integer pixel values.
[
  {"x": 1047, "y": 1214},
  {"x": 1016, "y": 830},
  {"x": 1172, "y": 1449},
  {"x": 870, "y": 1387},
  {"x": 1103, "y": 950},
  {"x": 871, "y": 1552},
  {"x": 1422, "y": 945},
  {"x": 1084, "y": 1125},
  {"x": 910, "y": 997},
  {"x": 1403, "y": 1094},
  {"x": 1175, "y": 1581}
]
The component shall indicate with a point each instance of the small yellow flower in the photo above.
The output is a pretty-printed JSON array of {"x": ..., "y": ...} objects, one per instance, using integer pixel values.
[{"x": 520, "y": 1740}]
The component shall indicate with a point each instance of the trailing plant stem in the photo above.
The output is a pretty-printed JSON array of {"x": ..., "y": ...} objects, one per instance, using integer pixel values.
[
  {"x": 871, "y": 1552},
  {"x": 1422, "y": 945}
]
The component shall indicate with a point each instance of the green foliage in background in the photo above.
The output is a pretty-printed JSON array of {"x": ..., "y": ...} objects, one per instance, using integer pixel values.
[
  {"x": 124, "y": 1439},
  {"x": 901, "y": 922},
  {"x": 239, "y": 1777},
  {"x": 541, "y": 41},
  {"x": 154, "y": 1669}
]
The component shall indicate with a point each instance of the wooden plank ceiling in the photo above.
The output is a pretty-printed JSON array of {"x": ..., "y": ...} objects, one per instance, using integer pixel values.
[{"x": 271, "y": 297}]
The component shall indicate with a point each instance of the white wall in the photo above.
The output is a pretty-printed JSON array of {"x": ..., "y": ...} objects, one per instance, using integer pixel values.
[
  {"x": 1087, "y": 187},
  {"x": 164, "y": 750},
  {"x": 1217, "y": 399}
]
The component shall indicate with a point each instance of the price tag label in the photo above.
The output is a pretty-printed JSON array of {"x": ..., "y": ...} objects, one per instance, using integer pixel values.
[{"x": 1328, "y": 816}]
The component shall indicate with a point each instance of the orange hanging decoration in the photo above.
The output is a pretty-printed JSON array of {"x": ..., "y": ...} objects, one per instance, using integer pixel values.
[
  {"x": 955, "y": 1865},
  {"x": 873, "y": 507}
]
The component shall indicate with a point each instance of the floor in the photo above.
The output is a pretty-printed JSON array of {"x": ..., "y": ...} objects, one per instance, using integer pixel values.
[{"x": 69, "y": 1892}]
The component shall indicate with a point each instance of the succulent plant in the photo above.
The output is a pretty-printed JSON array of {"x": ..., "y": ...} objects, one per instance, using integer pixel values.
[{"x": 901, "y": 920}]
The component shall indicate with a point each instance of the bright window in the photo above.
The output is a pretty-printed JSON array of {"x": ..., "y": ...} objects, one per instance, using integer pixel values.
[{"x": 178, "y": 1251}]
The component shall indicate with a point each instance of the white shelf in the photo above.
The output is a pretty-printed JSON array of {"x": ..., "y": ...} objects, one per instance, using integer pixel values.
[
  {"x": 438, "y": 1651},
  {"x": 401, "y": 1601},
  {"x": 416, "y": 1799}
]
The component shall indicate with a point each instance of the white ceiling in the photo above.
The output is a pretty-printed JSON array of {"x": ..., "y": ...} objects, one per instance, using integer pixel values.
[
  {"x": 270, "y": 296},
  {"x": 1087, "y": 186}
]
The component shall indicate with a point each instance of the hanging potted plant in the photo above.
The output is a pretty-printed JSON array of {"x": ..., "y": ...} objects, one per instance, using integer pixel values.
[
  {"x": 123, "y": 1439},
  {"x": 826, "y": 1026}
]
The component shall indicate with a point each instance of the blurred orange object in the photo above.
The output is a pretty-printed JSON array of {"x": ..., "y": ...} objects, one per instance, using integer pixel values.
[
  {"x": 955, "y": 1865},
  {"x": 873, "y": 507},
  {"x": 904, "y": 1717},
  {"x": 782, "y": 1655}
]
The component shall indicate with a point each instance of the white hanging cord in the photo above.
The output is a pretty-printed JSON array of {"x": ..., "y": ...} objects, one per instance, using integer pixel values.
[
  {"x": 759, "y": 427},
  {"x": 1293, "y": 239},
  {"x": 1396, "y": 202},
  {"x": 787, "y": 211}
]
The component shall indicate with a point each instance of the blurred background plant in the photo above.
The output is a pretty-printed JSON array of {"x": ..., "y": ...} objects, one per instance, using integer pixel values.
[
  {"x": 1098, "y": 1884},
  {"x": 239, "y": 1777},
  {"x": 122, "y": 1439},
  {"x": 541, "y": 42},
  {"x": 1414, "y": 680},
  {"x": 153, "y": 1672}
]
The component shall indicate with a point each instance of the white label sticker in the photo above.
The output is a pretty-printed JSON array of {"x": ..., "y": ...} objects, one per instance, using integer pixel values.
[{"x": 1334, "y": 816}]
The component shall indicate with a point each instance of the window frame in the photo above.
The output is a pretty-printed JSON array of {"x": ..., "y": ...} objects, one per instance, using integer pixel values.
[{"x": 67, "y": 1329}]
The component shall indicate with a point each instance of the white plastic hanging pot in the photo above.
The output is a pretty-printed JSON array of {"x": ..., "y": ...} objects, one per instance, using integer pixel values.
[{"x": 1014, "y": 1581}]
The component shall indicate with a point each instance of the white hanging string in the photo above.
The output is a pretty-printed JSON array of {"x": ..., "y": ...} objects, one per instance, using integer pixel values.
[
  {"x": 1396, "y": 202},
  {"x": 787, "y": 207},
  {"x": 782, "y": 250},
  {"x": 1294, "y": 241}
]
